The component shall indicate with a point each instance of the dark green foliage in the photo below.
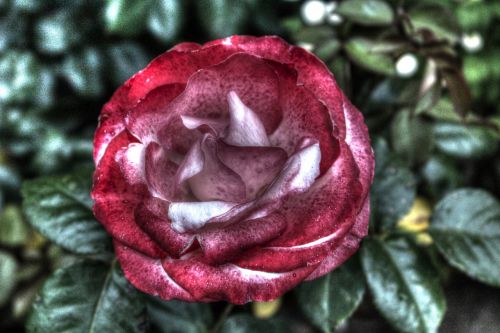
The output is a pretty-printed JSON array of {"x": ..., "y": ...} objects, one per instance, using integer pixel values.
[
  {"x": 88, "y": 297},
  {"x": 61, "y": 209},
  {"x": 404, "y": 285},
  {"x": 330, "y": 300},
  {"x": 466, "y": 228}
]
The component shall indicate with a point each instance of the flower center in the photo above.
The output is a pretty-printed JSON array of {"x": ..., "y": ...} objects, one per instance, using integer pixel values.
[{"x": 233, "y": 169}]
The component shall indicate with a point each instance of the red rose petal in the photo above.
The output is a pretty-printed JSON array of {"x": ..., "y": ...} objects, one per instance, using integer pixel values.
[
  {"x": 131, "y": 160},
  {"x": 230, "y": 282},
  {"x": 111, "y": 122},
  {"x": 160, "y": 172},
  {"x": 257, "y": 166},
  {"x": 206, "y": 93},
  {"x": 326, "y": 206},
  {"x": 216, "y": 181},
  {"x": 313, "y": 73},
  {"x": 116, "y": 200},
  {"x": 348, "y": 246},
  {"x": 329, "y": 251},
  {"x": 358, "y": 140},
  {"x": 148, "y": 275},
  {"x": 149, "y": 116},
  {"x": 222, "y": 244},
  {"x": 245, "y": 128},
  {"x": 151, "y": 216},
  {"x": 174, "y": 67},
  {"x": 303, "y": 116}
]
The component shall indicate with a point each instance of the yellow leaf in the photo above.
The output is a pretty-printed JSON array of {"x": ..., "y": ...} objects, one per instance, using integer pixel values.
[
  {"x": 417, "y": 218},
  {"x": 264, "y": 310}
]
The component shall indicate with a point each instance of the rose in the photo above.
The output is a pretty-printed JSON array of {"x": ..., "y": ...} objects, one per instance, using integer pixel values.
[{"x": 231, "y": 171}]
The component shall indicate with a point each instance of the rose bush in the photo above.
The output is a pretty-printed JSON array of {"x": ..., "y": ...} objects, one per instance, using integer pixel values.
[{"x": 231, "y": 171}]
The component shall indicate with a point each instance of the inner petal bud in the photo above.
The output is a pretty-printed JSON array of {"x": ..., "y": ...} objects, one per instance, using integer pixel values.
[{"x": 245, "y": 127}]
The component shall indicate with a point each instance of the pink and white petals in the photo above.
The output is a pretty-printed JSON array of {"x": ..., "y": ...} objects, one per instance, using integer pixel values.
[{"x": 231, "y": 171}]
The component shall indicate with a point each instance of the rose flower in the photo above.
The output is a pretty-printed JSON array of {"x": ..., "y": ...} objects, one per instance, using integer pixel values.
[{"x": 231, "y": 171}]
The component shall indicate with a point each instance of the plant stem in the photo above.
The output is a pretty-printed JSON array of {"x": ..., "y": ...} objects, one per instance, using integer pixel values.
[{"x": 222, "y": 318}]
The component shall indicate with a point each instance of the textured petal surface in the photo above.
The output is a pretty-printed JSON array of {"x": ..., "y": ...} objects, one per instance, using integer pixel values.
[
  {"x": 216, "y": 181},
  {"x": 221, "y": 245},
  {"x": 257, "y": 166},
  {"x": 148, "y": 275},
  {"x": 230, "y": 282},
  {"x": 115, "y": 201},
  {"x": 191, "y": 216},
  {"x": 245, "y": 128},
  {"x": 159, "y": 171},
  {"x": 151, "y": 217}
]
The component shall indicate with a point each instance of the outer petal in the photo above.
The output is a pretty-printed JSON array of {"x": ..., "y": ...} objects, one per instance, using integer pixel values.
[
  {"x": 221, "y": 245},
  {"x": 116, "y": 200},
  {"x": 358, "y": 140},
  {"x": 348, "y": 246},
  {"x": 151, "y": 216},
  {"x": 174, "y": 66},
  {"x": 230, "y": 282},
  {"x": 111, "y": 122},
  {"x": 303, "y": 116},
  {"x": 148, "y": 275},
  {"x": 149, "y": 116}
]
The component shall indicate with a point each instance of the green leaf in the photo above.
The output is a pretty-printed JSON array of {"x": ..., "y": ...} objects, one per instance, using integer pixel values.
[
  {"x": 19, "y": 75},
  {"x": 463, "y": 141},
  {"x": 328, "y": 49},
  {"x": 124, "y": 59},
  {"x": 441, "y": 175},
  {"x": 53, "y": 151},
  {"x": 13, "y": 229},
  {"x": 84, "y": 72},
  {"x": 126, "y": 17},
  {"x": 87, "y": 297},
  {"x": 29, "y": 6},
  {"x": 14, "y": 30},
  {"x": 314, "y": 35},
  {"x": 8, "y": 268},
  {"x": 57, "y": 32},
  {"x": 404, "y": 285},
  {"x": 393, "y": 190},
  {"x": 436, "y": 19},
  {"x": 394, "y": 91},
  {"x": 474, "y": 15},
  {"x": 466, "y": 229},
  {"x": 244, "y": 323},
  {"x": 166, "y": 18},
  {"x": 411, "y": 137},
  {"x": 45, "y": 94},
  {"x": 366, "y": 12},
  {"x": 61, "y": 209},
  {"x": 178, "y": 317},
  {"x": 331, "y": 299},
  {"x": 221, "y": 18},
  {"x": 367, "y": 53},
  {"x": 9, "y": 177}
]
